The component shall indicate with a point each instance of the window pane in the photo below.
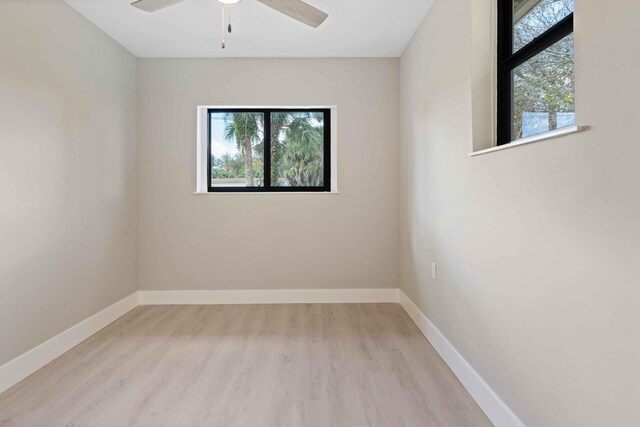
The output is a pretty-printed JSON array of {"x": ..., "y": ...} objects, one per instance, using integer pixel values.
[
  {"x": 533, "y": 17},
  {"x": 237, "y": 149},
  {"x": 543, "y": 91},
  {"x": 297, "y": 149}
]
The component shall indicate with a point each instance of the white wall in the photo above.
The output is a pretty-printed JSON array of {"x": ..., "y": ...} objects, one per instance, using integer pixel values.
[
  {"x": 68, "y": 215},
  {"x": 537, "y": 246},
  {"x": 348, "y": 240}
]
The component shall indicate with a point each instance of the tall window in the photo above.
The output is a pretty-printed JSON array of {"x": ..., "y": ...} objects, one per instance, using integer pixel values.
[
  {"x": 535, "y": 68},
  {"x": 274, "y": 150}
]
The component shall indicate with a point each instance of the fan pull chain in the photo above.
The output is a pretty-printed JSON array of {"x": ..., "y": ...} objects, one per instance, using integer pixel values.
[
  {"x": 229, "y": 27},
  {"x": 224, "y": 45}
]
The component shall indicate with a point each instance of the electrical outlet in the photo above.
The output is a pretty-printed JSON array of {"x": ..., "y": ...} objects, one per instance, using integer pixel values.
[{"x": 434, "y": 271}]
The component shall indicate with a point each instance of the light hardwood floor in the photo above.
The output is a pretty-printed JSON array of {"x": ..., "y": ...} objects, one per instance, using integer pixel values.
[{"x": 248, "y": 365}]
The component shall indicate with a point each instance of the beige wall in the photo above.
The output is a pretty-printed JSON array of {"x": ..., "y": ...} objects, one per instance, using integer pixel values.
[
  {"x": 68, "y": 216},
  {"x": 348, "y": 240},
  {"x": 537, "y": 246}
]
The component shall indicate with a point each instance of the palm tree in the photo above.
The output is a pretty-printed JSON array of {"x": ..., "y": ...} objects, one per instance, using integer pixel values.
[
  {"x": 304, "y": 154},
  {"x": 297, "y": 142},
  {"x": 279, "y": 122},
  {"x": 246, "y": 129}
]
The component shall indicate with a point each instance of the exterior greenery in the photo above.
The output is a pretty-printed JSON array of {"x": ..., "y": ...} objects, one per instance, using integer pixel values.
[
  {"x": 297, "y": 149},
  {"x": 297, "y": 142}
]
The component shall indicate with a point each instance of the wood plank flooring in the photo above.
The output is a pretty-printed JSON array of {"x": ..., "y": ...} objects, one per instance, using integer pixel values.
[{"x": 247, "y": 365}]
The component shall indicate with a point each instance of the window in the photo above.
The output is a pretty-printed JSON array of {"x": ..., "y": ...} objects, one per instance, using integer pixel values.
[
  {"x": 535, "y": 68},
  {"x": 269, "y": 150}
]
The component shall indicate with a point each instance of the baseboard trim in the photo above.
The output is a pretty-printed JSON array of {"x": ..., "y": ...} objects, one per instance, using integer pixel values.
[
  {"x": 496, "y": 410},
  {"x": 26, "y": 364},
  {"x": 271, "y": 296}
]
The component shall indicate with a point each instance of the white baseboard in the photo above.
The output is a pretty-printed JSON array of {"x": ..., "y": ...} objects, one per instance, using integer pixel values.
[
  {"x": 275, "y": 296},
  {"x": 496, "y": 410},
  {"x": 24, "y": 365}
]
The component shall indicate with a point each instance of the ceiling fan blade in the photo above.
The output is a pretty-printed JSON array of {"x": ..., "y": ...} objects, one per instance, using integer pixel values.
[
  {"x": 298, "y": 10},
  {"x": 153, "y": 5}
]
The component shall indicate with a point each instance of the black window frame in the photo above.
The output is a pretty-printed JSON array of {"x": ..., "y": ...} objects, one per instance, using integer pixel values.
[
  {"x": 509, "y": 61},
  {"x": 267, "y": 187}
]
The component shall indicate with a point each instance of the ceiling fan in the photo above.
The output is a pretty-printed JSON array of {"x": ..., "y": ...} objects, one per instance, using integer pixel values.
[{"x": 296, "y": 9}]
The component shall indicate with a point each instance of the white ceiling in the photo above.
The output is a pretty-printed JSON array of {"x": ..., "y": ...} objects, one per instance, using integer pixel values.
[{"x": 358, "y": 28}]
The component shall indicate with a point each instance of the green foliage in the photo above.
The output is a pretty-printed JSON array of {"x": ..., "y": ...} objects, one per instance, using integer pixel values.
[
  {"x": 241, "y": 127},
  {"x": 227, "y": 166},
  {"x": 302, "y": 158},
  {"x": 297, "y": 149}
]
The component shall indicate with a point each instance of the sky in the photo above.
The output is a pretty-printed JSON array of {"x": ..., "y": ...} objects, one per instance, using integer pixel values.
[{"x": 219, "y": 145}]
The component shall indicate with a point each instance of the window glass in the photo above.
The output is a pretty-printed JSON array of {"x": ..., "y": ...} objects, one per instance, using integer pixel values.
[
  {"x": 236, "y": 147},
  {"x": 297, "y": 149},
  {"x": 532, "y": 18},
  {"x": 543, "y": 91}
]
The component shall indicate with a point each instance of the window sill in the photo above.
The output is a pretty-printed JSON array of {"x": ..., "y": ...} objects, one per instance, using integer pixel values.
[
  {"x": 264, "y": 193},
  {"x": 542, "y": 137}
]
